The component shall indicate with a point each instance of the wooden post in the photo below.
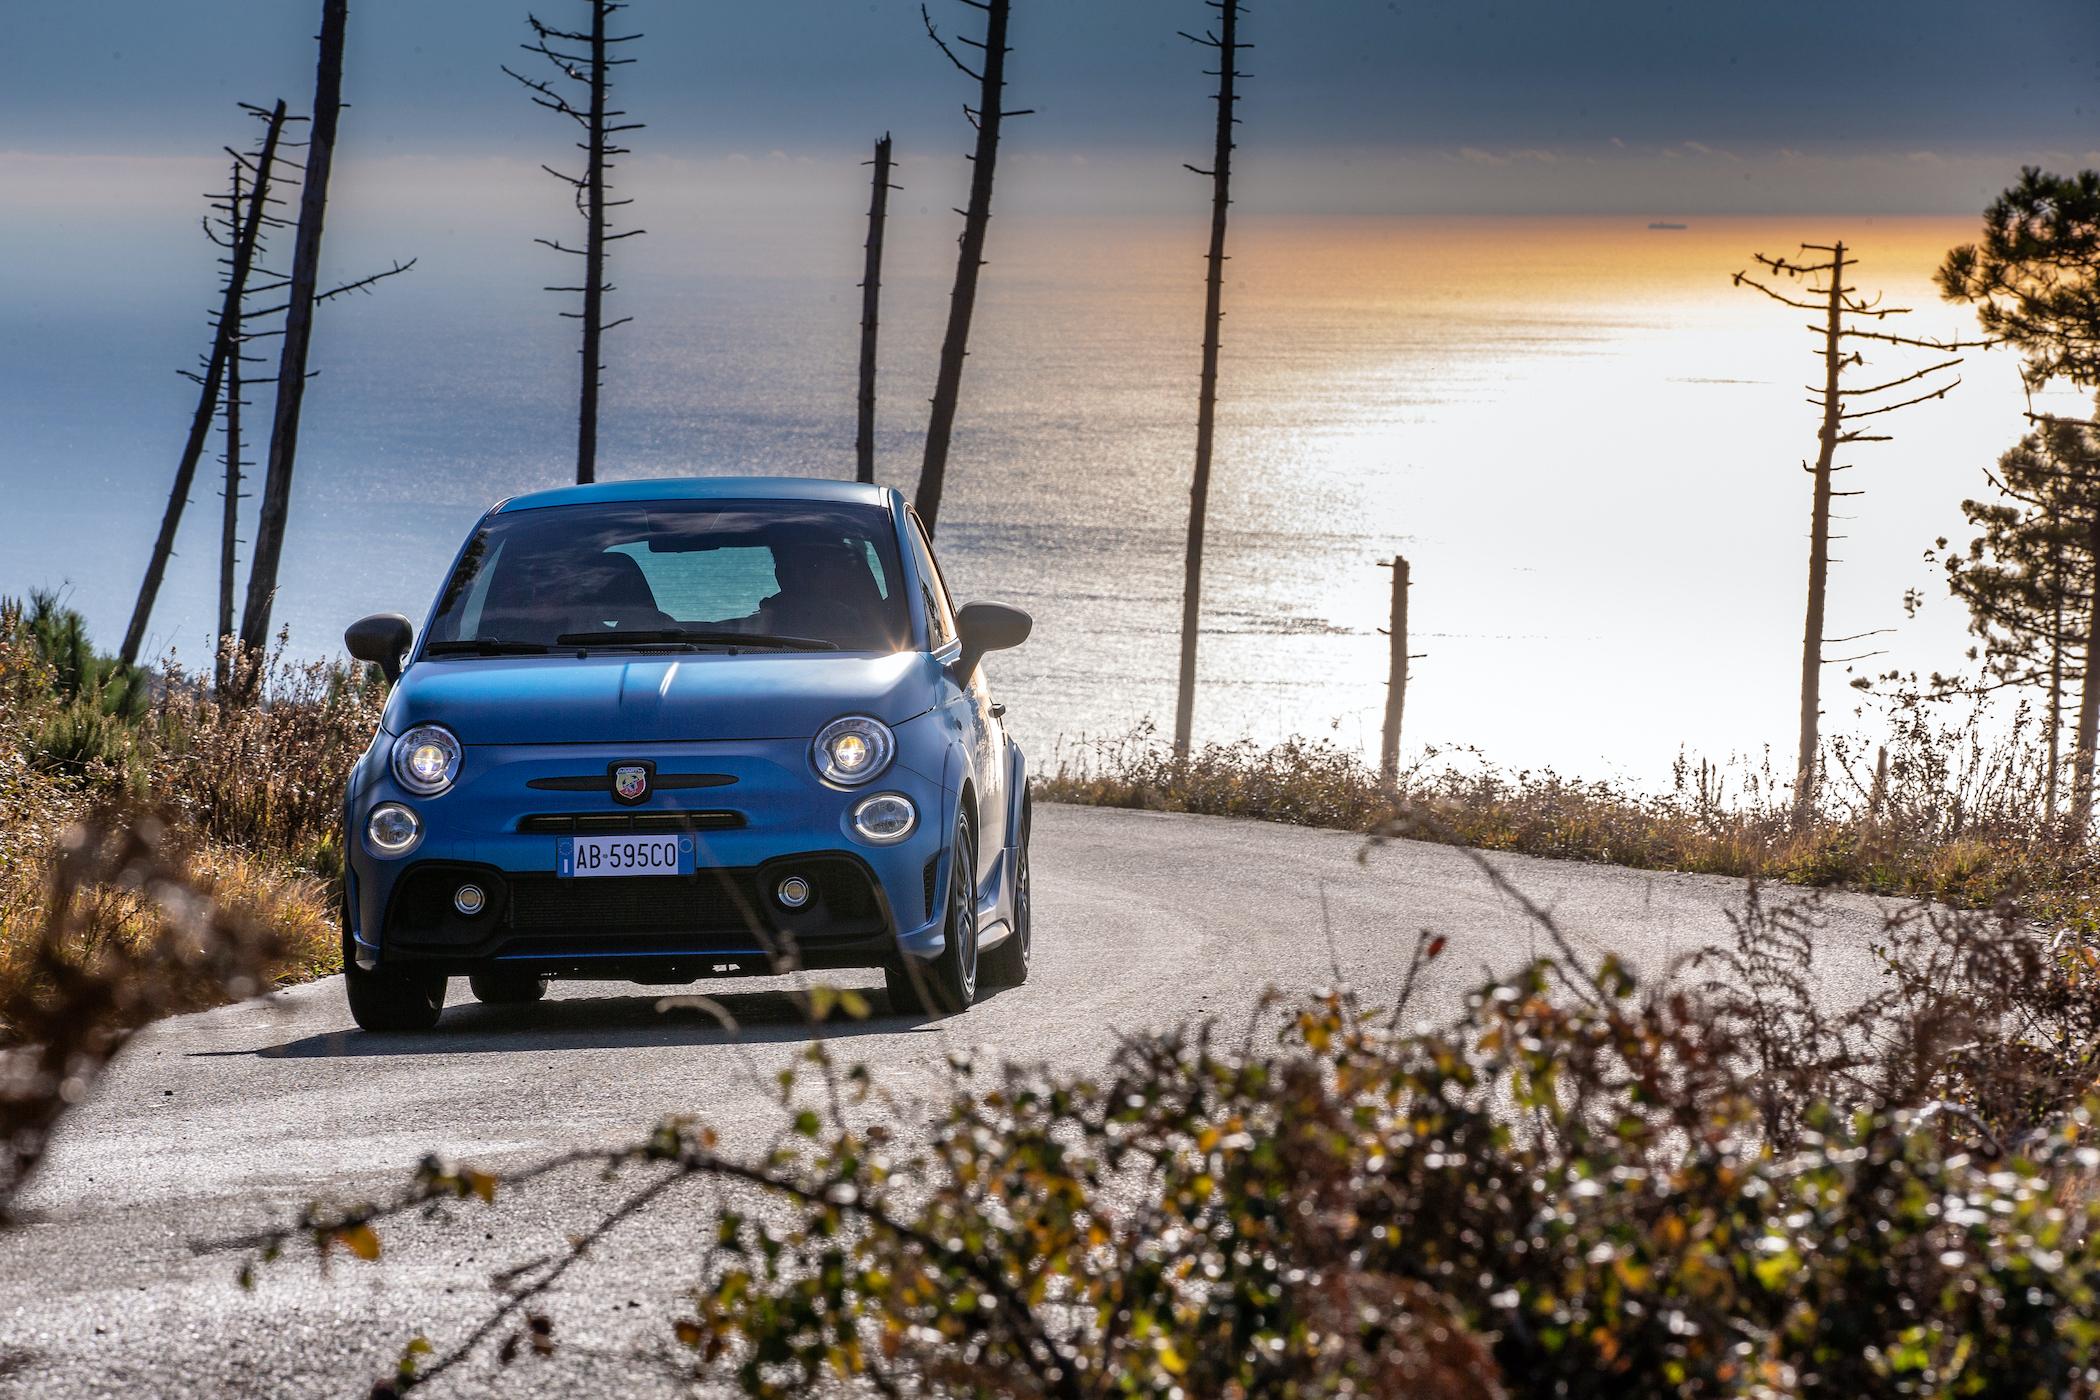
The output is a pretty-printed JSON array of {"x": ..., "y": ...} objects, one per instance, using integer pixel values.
[
  {"x": 298, "y": 333},
  {"x": 224, "y": 347},
  {"x": 1396, "y": 682},
  {"x": 870, "y": 302}
]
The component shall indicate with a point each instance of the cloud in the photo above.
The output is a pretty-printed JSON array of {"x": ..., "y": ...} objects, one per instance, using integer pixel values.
[{"x": 1711, "y": 152}]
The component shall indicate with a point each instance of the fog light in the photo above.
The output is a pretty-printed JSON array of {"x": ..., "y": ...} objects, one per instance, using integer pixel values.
[
  {"x": 793, "y": 893},
  {"x": 885, "y": 819},
  {"x": 469, "y": 900},
  {"x": 392, "y": 829}
]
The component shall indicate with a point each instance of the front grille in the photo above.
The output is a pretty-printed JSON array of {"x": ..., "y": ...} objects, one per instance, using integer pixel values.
[
  {"x": 662, "y": 823},
  {"x": 537, "y": 913},
  {"x": 709, "y": 902}
]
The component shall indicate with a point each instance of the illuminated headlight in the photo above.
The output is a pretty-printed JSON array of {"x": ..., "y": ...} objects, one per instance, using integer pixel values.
[
  {"x": 392, "y": 829},
  {"x": 853, "y": 750},
  {"x": 426, "y": 759},
  {"x": 885, "y": 819}
]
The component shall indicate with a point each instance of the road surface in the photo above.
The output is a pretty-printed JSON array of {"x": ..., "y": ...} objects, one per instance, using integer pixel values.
[{"x": 219, "y": 1122}]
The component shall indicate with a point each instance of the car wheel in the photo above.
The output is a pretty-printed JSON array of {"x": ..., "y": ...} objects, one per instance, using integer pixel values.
[
  {"x": 506, "y": 987},
  {"x": 948, "y": 984},
  {"x": 1007, "y": 964},
  {"x": 386, "y": 999}
]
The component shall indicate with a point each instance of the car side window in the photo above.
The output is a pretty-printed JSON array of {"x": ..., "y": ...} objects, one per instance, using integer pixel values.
[{"x": 940, "y": 613}]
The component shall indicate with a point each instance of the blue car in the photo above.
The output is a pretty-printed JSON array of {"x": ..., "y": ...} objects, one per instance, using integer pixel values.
[{"x": 656, "y": 731}]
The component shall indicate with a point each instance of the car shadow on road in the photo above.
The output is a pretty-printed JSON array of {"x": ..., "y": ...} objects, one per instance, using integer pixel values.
[{"x": 675, "y": 1017}]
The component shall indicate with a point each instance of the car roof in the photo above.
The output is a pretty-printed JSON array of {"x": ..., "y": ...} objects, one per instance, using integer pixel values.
[{"x": 707, "y": 488}]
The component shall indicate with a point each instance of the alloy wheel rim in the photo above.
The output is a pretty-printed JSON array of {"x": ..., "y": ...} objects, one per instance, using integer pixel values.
[
  {"x": 1023, "y": 912},
  {"x": 965, "y": 919}
]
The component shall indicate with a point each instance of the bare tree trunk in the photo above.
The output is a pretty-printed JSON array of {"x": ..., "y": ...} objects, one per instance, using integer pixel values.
[
  {"x": 230, "y": 508},
  {"x": 1810, "y": 740},
  {"x": 962, "y": 303},
  {"x": 593, "y": 259},
  {"x": 224, "y": 347},
  {"x": 2080, "y": 818},
  {"x": 1396, "y": 679},
  {"x": 870, "y": 306},
  {"x": 2056, "y": 668},
  {"x": 1226, "y": 41},
  {"x": 592, "y": 68},
  {"x": 298, "y": 332}
]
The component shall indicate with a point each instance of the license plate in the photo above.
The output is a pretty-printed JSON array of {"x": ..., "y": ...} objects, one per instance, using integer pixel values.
[{"x": 585, "y": 856}]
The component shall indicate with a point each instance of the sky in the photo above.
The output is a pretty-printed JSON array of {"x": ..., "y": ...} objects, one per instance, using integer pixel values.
[{"x": 1354, "y": 106}]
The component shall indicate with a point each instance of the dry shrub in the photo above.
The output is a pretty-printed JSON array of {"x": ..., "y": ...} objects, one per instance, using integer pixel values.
[
  {"x": 127, "y": 933},
  {"x": 266, "y": 775},
  {"x": 250, "y": 794}
]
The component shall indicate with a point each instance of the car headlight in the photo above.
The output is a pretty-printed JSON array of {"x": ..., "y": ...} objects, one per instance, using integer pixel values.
[
  {"x": 885, "y": 819},
  {"x": 853, "y": 750},
  {"x": 426, "y": 759},
  {"x": 392, "y": 829}
]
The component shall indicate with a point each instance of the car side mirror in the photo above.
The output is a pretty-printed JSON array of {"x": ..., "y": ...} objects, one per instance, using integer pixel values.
[
  {"x": 381, "y": 639},
  {"x": 987, "y": 627}
]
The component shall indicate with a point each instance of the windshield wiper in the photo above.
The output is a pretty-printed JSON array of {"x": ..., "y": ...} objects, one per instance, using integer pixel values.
[
  {"x": 486, "y": 646},
  {"x": 694, "y": 636}
]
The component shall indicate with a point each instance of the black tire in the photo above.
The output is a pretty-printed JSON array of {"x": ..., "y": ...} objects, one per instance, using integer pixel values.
[
  {"x": 1007, "y": 964},
  {"x": 505, "y": 987},
  {"x": 389, "y": 1000},
  {"x": 947, "y": 985}
]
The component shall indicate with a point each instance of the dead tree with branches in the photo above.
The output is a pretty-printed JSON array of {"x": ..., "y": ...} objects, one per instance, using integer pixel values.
[
  {"x": 870, "y": 309},
  {"x": 253, "y": 188},
  {"x": 1846, "y": 326},
  {"x": 242, "y": 223},
  {"x": 599, "y": 123},
  {"x": 1225, "y": 39},
  {"x": 987, "y": 117}
]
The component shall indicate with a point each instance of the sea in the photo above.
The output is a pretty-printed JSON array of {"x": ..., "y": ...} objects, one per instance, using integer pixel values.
[{"x": 1586, "y": 441}]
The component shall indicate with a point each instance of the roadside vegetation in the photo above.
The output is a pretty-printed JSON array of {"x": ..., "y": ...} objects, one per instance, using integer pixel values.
[
  {"x": 247, "y": 791},
  {"x": 1583, "y": 1184},
  {"x": 1935, "y": 813}
]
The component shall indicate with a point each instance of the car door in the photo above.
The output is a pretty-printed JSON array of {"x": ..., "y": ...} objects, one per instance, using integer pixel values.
[{"x": 971, "y": 700}]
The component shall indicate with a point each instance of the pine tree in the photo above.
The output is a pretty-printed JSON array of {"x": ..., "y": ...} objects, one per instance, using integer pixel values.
[
  {"x": 2034, "y": 278},
  {"x": 2031, "y": 580}
]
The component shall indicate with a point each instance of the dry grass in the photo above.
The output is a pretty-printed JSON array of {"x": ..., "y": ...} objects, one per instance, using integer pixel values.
[
  {"x": 250, "y": 793},
  {"x": 1948, "y": 817}
]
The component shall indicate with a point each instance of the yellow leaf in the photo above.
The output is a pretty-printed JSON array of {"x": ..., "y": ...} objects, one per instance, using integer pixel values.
[
  {"x": 1173, "y": 1360},
  {"x": 361, "y": 1240},
  {"x": 481, "y": 1184}
]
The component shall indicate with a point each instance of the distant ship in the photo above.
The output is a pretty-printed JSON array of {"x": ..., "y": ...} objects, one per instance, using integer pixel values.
[{"x": 1659, "y": 224}]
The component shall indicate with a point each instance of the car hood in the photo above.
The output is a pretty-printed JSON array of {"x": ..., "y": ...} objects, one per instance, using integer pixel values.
[{"x": 616, "y": 697}]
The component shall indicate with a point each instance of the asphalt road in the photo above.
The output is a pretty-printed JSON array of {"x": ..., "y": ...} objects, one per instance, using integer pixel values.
[{"x": 216, "y": 1123}]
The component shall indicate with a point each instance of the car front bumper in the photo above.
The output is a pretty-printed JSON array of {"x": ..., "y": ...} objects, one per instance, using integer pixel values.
[{"x": 753, "y": 811}]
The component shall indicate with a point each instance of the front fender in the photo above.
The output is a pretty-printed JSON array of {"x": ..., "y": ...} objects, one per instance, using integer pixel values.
[{"x": 1016, "y": 792}]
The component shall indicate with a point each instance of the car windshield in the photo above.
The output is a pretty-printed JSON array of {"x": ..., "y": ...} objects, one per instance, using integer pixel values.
[{"x": 789, "y": 575}]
